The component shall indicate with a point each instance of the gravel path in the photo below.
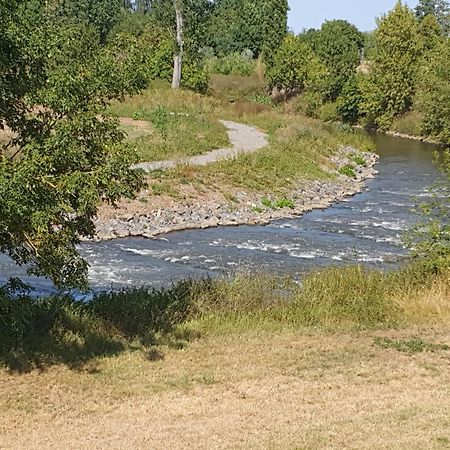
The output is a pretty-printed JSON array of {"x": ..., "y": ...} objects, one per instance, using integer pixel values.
[{"x": 243, "y": 139}]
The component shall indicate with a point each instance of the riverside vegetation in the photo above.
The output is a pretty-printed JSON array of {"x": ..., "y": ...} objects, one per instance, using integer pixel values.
[
  {"x": 153, "y": 365},
  {"x": 249, "y": 360},
  {"x": 301, "y": 164}
]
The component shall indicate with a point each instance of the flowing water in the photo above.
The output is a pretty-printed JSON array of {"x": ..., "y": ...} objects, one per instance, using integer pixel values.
[{"x": 366, "y": 228}]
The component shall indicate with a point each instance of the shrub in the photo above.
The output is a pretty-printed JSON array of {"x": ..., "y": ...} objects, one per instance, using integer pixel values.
[
  {"x": 284, "y": 203},
  {"x": 195, "y": 77},
  {"x": 233, "y": 64},
  {"x": 328, "y": 112},
  {"x": 348, "y": 171},
  {"x": 348, "y": 103}
]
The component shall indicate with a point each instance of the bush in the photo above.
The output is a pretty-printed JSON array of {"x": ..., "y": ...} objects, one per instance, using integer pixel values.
[
  {"x": 348, "y": 171},
  {"x": 328, "y": 112},
  {"x": 349, "y": 102},
  {"x": 232, "y": 64},
  {"x": 309, "y": 103},
  {"x": 157, "y": 48},
  {"x": 195, "y": 77}
]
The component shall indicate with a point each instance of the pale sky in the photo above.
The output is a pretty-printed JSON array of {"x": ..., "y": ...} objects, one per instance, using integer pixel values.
[{"x": 362, "y": 13}]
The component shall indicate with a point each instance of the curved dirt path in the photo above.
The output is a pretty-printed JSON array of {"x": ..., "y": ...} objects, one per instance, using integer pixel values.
[{"x": 243, "y": 139}]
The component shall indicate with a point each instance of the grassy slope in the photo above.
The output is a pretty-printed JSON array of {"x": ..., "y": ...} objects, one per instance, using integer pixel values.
[{"x": 298, "y": 145}]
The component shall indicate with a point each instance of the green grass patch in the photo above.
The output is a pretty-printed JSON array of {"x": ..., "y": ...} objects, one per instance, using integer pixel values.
[
  {"x": 164, "y": 188},
  {"x": 358, "y": 160},
  {"x": 348, "y": 170},
  {"x": 280, "y": 203},
  {"x": 178, "y": 123},
  {"x": 414, "y": 345}
]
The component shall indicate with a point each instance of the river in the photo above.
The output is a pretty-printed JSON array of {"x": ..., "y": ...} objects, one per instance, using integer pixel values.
[{"x": 366, "y": 228}]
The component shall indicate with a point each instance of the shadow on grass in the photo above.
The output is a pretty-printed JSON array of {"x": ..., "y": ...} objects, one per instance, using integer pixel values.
[{"x": 39, "y": 333}]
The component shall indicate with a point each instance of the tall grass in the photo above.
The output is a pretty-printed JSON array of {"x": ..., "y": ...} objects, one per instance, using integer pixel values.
[
  {"x": 409, "y": 123},
  {"x": 38, "y": 333}
]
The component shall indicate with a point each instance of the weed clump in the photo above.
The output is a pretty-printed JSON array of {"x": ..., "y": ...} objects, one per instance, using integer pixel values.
[{"x": 348, "y": 170}]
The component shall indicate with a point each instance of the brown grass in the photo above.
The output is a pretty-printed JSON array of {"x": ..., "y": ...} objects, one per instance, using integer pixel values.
[{"x": 256, "y": 390}]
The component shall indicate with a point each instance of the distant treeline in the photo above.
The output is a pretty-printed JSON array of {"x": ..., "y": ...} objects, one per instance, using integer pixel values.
[{"x": 395, "y": 77}]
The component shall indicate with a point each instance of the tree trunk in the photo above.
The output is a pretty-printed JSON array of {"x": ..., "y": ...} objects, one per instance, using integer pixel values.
[{"x": 178, "y": 56}]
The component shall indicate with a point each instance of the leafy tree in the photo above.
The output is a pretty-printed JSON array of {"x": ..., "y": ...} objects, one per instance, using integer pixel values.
[
  {"x": 295, "y": 67},
  {"x": 100, "y": 14},
  {"x": 440, "y": 9},
  {"x": 196, "y": 17},
  {"x": 369, "y": 45},
  {"x": 186, "y": 21},
  {"x": 338, "y": 44},
  {"x": 66, "y": 156},
  {"x": 130, "y": 22},
  {"x": 430, "y": 33},
  {"x": 238, "y": 25},
  {"x": 156, "y": 47},
  {"x": 390, "y": 87},
  {"x": 433, "y": 96},
  {"x": 274, "y": 29}
]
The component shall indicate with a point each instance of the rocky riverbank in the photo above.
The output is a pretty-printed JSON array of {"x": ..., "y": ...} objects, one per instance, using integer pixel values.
[{"x": 154, "y": 218}]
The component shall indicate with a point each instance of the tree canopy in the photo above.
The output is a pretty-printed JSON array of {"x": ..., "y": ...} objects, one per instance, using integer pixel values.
[
  {"x": 440, "y": 9},
  {"x": 338, "y": 44},
  {"x": 65, "y": 156},
  {"x": 390, "y": 87}
]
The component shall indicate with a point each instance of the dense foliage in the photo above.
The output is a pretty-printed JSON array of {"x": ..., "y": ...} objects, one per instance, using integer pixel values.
[
  {"x": 238, "y": 25},
  {"x": 296, "y": 67},
  {"x": 433, "y": 97},
  {"x": 64, "y": 156},
  {"x": 391, "y": 84},
  {"x": 439, "y": 9},
  {"x": 338, "y": 44}
]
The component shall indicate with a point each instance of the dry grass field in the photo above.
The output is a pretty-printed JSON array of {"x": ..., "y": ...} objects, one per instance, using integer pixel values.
[{"x": 265, "y": 390}]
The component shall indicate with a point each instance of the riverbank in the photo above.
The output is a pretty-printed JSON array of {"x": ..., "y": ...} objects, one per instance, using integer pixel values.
[
  {"x": 255, "y": 361},
  {"x": 164, "y": 214},
  {"x": 281, "y": 165}
]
